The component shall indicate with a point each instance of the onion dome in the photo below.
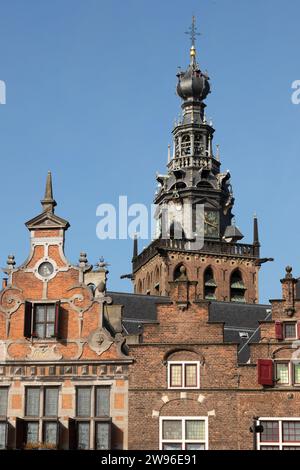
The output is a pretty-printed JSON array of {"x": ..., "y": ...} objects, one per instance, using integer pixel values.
[{"x": 193, "y": 85}]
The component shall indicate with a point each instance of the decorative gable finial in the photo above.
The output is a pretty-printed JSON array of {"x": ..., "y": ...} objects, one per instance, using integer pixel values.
[{"x": 48, "y": 203}]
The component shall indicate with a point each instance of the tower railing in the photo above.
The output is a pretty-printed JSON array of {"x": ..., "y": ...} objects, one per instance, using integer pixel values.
[
  {"x": 192, "y": 162},
  {"x": 215, "y": 247}
]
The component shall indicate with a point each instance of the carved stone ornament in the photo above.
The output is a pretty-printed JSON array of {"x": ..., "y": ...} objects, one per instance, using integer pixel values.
[
  {"x": 43, "y": 352},
  {"x": 99, "y": 341}
]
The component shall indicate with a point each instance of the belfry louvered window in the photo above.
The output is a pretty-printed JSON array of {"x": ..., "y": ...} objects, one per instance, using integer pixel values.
[
  {"x": 210, "y": 285},
  {"x": 186, "y": 145},
  {"x": 237, "y": 287}
]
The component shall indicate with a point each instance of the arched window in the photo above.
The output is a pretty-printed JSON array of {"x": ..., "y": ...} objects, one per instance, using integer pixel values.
[
  {"x": 237, "y": 287},
  {"x": 92, "y": 287},
  {"x": 186, "y": 145},
  {"x": 179, "y": 272},
  {"x": 148, "y": 285},
  {"x": 139, "y": 287},
  {"x": 210, "y": 285},
  {"x": 198, "y": 144},
  {"x": 156, "y": 280}
]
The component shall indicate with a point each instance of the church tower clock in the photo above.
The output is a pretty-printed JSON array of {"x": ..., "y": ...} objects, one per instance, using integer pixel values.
[{"x": 224, "y": 268}]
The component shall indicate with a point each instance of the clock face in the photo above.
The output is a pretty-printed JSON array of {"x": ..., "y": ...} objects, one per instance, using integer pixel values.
[
  {"x": 211, "y": 224},
  {"x": 46, "y": 269}
]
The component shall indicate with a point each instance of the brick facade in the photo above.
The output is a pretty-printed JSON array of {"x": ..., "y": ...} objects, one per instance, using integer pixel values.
[
  {"x": 229, "y": 394},
  {"x": 87, "y": 350}
]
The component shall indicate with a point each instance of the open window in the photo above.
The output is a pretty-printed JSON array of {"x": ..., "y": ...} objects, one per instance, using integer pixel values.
[{"x": 42, "y": 320}]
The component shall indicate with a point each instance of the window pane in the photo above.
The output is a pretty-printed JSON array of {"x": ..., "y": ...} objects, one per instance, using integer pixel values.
[
  {"x": 32, "y": 434},
  {"x": 40, "y": 330},
  {"x": 290, "y": 330},
  {"x": 84, "y": 401},
  {"x": 172, "y": 429},
  {"x": 195, "y": 447},
  {"x": 102, "y": 436},
  {"x": 195, "y": 430},
  {"x": 282, "y": 373},
  {"x": 270, "y": 432},
  {"x": 51, "y": 401},
  {"x": 83, "y": 435},
  {"x": 297, "y": 373},
  {"x": 191, "y": 375},
  {"x": 3, "y": 401},
  {"x": 269, "y": 448},
  {"x": 172, "y": 446},
  {"x": 50, "y": 313},
  {"x": 50, "y": 330},
  {"x": 3, "y": 435},
  {"x": 102, "y": 401},
  {"x": 32, "y": 402},
  {"x": 50, "y": 432},
  {"x": 39, "y": 313},
  {"x": 291, "y": 431},
  {"x": 291, "y": 448},
  {"x": 176, "y": 375}
]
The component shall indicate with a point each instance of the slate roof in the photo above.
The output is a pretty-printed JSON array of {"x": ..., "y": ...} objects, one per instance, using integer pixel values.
[{"x": 241, "y": 321}]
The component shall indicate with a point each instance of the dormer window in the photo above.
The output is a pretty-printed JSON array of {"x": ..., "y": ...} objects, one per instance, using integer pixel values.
[{"x": 41, "y": 320}]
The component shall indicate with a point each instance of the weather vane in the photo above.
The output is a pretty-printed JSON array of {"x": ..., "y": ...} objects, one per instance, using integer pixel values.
[{"x": 192, "y": 32}]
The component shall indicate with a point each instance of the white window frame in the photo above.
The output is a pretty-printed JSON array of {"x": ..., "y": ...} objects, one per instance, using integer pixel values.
[
  {"x": 183, "y": 364},
  {"x": 280, "y": 444},
  {"x": 183, "y": 442}
]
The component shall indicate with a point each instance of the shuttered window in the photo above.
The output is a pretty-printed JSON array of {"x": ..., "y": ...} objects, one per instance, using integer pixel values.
[
  {"x": 102, "y": 435},
  {"x": 83, "y": 435},
  {"x": 51, "y": 401},
  {"x": 83, "y": 406},
  {"x": 92, "y": 427},
  {"x": 32, "y": 432},
  {"x": 32, "y": 401},
  {"x": 50, "y": 432},
  {"x": 102, "y": 401},
  {"x": 3, "y": 401},
  {"x": 3, "y": 434}
]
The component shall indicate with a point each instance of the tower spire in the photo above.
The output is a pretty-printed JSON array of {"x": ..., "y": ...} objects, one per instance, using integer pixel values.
[
  {"x": 48, "y": 203},
  {"x": 192, "y": 32},
  {"x": 255, "y": 231}
]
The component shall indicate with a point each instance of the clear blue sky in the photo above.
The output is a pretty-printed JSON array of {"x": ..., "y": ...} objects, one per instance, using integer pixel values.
[{"x": 91, "y": 96}]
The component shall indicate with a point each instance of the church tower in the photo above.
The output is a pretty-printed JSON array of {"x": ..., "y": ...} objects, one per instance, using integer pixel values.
[{"x": 195, "y": 223}]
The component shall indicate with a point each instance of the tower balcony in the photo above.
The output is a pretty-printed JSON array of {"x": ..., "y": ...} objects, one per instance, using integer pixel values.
[
  {"x": 190, "y": 161},
  {"x": 213, "y": 247}
]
